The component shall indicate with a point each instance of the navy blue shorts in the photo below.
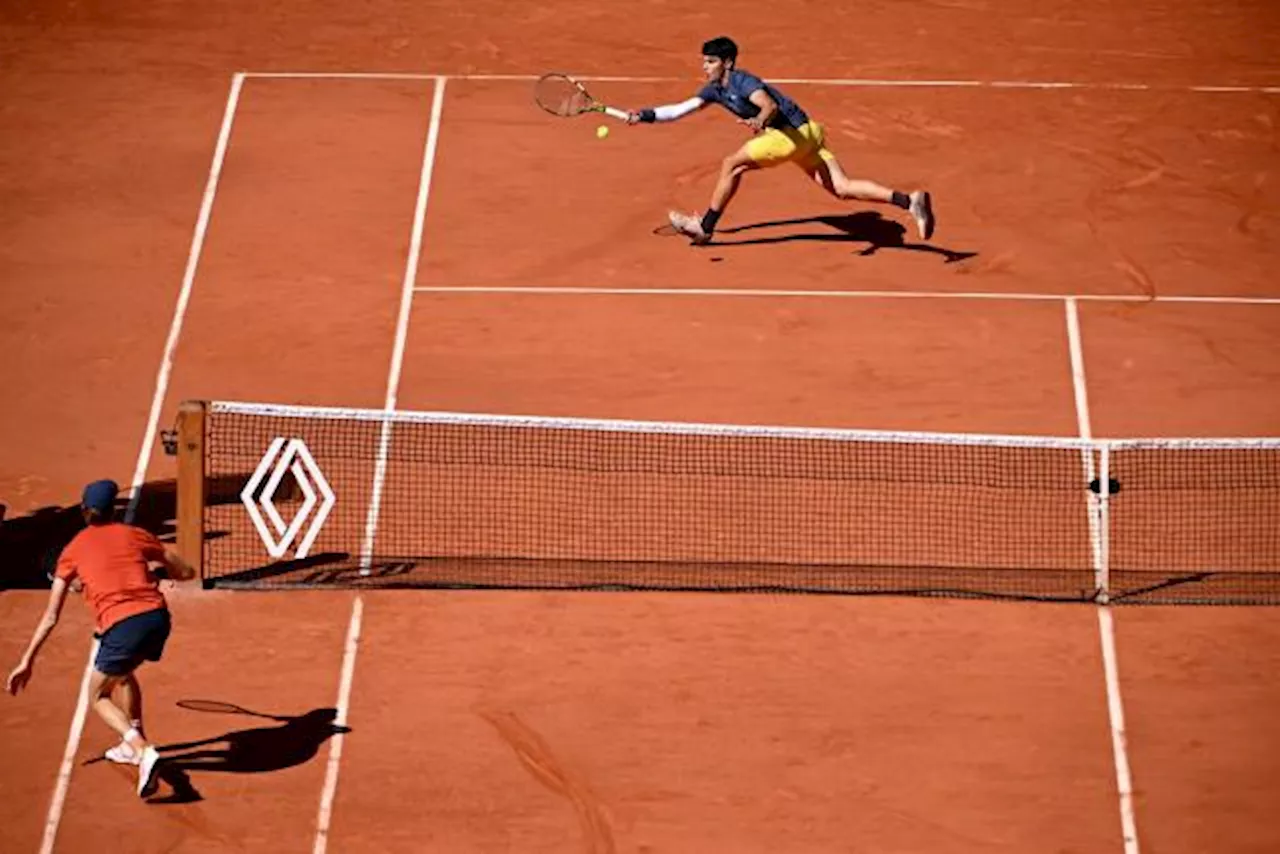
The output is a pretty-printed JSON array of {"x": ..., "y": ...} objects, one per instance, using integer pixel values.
[{"x": 132, "y": 641}]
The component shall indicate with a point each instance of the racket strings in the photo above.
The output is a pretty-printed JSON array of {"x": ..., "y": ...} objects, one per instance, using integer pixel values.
[{"x": 561, "y": 96}]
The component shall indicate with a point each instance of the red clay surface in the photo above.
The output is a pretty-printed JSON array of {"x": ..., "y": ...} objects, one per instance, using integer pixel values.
[
  {"x": 1206, "y": 768},
  {"x": 243, "y": 808},
  {"x": 1047, "y": 191},
  {"x": 873, "y": 363},
  {"x": 50, "y": 698},
  {"x": 1183, "y": 369},
  {"x": 644, "y": 723},
  {"x": 1194, "y": 681},
  {"x": 670, "y": 723}
]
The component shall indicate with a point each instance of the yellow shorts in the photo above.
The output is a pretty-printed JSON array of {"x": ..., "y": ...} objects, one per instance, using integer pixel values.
[{"x": 802, "y": 146}]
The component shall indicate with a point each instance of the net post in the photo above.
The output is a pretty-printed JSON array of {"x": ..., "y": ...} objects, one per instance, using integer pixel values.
[
  {"x": 1103, "y": 568},
  {"x": 192, "y": 418}
]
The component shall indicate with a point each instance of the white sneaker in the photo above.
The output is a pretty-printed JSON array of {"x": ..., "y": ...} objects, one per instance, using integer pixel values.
[
  {"x": 123, "y": 754},
  {"x": 147, "y": 763},
  {"x": 921, "y": 211},
  {"x": 689, "y": 226}
]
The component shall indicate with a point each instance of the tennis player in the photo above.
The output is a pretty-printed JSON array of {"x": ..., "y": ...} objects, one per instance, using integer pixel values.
[
  {"x": 784, "y": 133},
  {"x": 112, "y": 562}
]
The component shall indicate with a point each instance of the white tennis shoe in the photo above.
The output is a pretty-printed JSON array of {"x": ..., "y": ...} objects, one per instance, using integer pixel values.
[
  {"x": 147, "y": 782},
  {"x": 921, "y": 211},
  {"x": 689, "y": 226},
  {"x": 123, "y": 754}
]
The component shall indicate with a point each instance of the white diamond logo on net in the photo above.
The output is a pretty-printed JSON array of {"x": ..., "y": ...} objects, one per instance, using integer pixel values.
[{"x": 287, "y": 456}]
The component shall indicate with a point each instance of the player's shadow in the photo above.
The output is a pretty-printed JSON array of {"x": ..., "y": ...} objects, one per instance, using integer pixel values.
[
  {"x": 293, "y": 741},
  {"x": 31, "y": 543},
  {"x": 866, "y": 227}
]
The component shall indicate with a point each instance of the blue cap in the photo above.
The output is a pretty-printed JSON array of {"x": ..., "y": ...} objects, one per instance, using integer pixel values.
[{"x": 100, "y": 496}]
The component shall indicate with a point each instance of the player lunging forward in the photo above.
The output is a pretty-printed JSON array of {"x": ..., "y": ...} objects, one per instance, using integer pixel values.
[
  {"x": 110, "y": 562},
  {"x": 784, "y": 133}
]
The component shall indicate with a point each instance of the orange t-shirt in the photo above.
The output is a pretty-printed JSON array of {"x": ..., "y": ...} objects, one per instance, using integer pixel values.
[{"x": 111, "y": 562}]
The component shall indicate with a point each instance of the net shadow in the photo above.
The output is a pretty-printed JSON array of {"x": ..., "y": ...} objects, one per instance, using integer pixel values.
[
  {"x": 1013, "y": 585},
  {"x": 311, "y": 570},
  {"x": 1026, "y": 585}
]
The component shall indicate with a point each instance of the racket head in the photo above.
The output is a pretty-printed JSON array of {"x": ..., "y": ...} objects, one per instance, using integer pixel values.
[{"x": 561, "y": 95}]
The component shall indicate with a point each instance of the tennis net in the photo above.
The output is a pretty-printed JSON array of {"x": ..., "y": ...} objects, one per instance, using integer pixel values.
[{"x": 278, "y": 496}]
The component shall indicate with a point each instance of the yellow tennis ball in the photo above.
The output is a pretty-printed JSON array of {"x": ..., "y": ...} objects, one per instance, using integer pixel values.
[{"x": 602, "y": 132}]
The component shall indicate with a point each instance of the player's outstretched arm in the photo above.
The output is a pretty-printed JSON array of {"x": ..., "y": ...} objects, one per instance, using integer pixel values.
[
  {"x": 22, "y": 673},
  {"x": 666, "y": 113}
]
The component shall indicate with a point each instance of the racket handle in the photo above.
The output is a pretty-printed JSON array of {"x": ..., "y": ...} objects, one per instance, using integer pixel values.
[{"x": 620, "y": 115}]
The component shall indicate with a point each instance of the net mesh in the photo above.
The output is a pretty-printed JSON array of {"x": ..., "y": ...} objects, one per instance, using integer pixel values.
[
  {"x": 305, "y": 496},
  {"x": 1196, "y": 521}
]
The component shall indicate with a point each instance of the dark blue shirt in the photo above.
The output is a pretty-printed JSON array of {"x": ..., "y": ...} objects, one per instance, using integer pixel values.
[{"x": 736, "y": 98}]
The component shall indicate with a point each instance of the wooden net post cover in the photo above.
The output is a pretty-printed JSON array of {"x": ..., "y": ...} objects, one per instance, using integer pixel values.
[{"x": 192, "y": 415}]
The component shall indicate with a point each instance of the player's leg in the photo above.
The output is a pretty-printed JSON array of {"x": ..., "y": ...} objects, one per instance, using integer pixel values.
[
  {"x": 131, "y": 701},
  {"x": 732, "y": 168},
  {"x": 824, "y": 168},
  {"x": 122, "y": 649},
  {"x": 700, "y": 228},
  {"x": 762, "y": 151},
  {"x": 731, "y": 171},
  {"x": 130, "y": 693},
  {"x": 101, "y": 686},
  {"x": 827, "y": 172}
]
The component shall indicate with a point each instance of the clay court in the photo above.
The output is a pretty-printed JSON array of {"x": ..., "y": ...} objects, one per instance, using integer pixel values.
[{"x": 363, "y": 207}]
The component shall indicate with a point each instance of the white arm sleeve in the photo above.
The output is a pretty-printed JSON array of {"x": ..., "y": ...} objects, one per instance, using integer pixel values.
[{"x": 671, "y": 112}]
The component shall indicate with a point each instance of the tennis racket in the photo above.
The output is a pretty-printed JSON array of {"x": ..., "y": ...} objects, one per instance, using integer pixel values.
[{"x": 561, "y": 95}]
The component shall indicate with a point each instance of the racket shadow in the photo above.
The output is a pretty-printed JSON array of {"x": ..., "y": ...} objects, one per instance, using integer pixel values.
[{"x": 290, "y": 741}]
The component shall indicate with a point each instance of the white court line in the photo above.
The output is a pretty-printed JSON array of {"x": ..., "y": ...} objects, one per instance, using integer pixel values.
[
  {"x": 1032, "y": 84},
  {"x": 1119, "y": 743},
  {"x": 761, "y": 292},
  {"x": 335, "y": 744},
  {"x": 787, "y": 81},
  {"x": 393, "y": 75},
  {"x": 334, "y": 75},
  {"x": 1227, "y": 89},
  {"x": 1106, "y": 625},
  {"x": 1078, "y": 382},
  {"x": 1078, "y": 385},
  {"x": 1223, "y": 300},
  {"x": 330, "y": 789},
  {"x": 58, "y": 802},
  {"x": 402, "y": 320}
]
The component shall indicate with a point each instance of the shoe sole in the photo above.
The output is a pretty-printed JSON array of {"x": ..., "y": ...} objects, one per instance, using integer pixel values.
[
  {"x": 119, "y": 761},
  {"x": 925, "y": 220}
]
